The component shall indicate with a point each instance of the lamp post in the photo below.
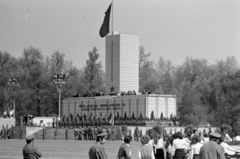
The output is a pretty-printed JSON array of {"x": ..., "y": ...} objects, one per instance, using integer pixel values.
[
  {"x": 58, "y": 80},
  {"x": 13, "y": 84}
]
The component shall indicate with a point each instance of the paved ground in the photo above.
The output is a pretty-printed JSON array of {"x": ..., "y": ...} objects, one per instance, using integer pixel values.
[{"x": 61, "y": 149}]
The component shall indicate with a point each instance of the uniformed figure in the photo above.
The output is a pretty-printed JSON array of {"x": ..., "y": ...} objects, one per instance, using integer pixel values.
[
  {"x": 53, "y": 123},
  {"x": 109, "y": 134},
  {"x": 97, "y": 151},
  {"x": 9, "y": 133},
  {"x": 57, "y": 122},
  {"x": 124, "y": 151},
  {"x": 95, "y": 133},
  {"x": 44, "y": 133},
  {"x": 85, "y": 134},
  {"x": 130, "y": 132},
  {"x": 3, "y": 133},
  {"x": 91, "y": 131},
  {"x": 66, "y": 133},
  {"x": 29, "y": 151},
  {"x": 137, "y": 134},
  {"x": 76, "y": 134},
  {"x": 212, "y": 149},
  {"x": 81, "y": 133},
  {"x": 113, "y": 133},
  {"x": 55, "y": 133}
]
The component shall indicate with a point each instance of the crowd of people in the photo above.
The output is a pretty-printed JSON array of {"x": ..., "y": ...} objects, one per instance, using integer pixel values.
[
  {"x": 90, "y": 133},
  {"x": 156, "y": 144},
  {"x": 5, "y": 132}
]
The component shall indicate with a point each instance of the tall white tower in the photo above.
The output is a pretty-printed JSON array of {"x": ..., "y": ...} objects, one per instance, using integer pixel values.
[{"x": 122, "y": 63}]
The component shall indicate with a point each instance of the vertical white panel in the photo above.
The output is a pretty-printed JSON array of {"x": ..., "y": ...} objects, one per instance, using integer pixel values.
[
  {"x": 125, "y": 71},
  {"x": 171, "y": 106}
]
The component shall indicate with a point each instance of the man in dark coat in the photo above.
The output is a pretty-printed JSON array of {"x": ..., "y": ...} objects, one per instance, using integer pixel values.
[
  {"x": 55, "y": 133},
  {"x": 4, "y": 133},
  {"x": 66, "y": 133},
  {"x": 124, "y": 151},
  {"x": 212, "y": 149},
  {"x": 29, "y": 151},
  {"x": 136, "y": 134},
  {"x": 44, "y": 132},
  {"x": 86, "y": 134},
  {"x": 113, "y": 133},
  {"x": 97, "y": 151}
]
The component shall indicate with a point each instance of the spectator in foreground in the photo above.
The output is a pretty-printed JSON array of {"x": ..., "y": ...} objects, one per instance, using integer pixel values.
[
  {"x": 125, "y": 151},
  {"x": 29, "y": 151},
  {"x": 195, "y": 147},
  {"x": 180, "y": 146},
  {"x": 228, "y": 150},
  {"x": 212, "y": 149},
  {"x": 97, "y": 151},
  {"x": 146, "y": 150}
]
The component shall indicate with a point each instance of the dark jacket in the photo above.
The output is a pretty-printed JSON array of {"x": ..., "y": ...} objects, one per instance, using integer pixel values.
[
  {"x": 124, "y": 152},
  {"x": 31, "y": 152},
  {"x": 97, "y": 151}
]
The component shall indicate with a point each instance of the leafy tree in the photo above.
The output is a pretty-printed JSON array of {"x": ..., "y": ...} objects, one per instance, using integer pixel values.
[
  {"x": 147, "y": 73},
  {"x": 118, "y": 116},
  {"x": 165, "y": 70},
  {"x": 125, "y": 115},
  {"x": 161, "y": 116},
  {"x": 133, "y": 116},
  {"x": 93, "y": 74},
  {"x": 141, "y": 116}
]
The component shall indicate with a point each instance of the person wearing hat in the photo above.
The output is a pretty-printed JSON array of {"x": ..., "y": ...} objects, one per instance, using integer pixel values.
[
  {"x": 124, "y": 151},
  {"x": 97, "y": 151},
  {"x": 29, "y": 151},
  {"x": 212, "y": 149}
]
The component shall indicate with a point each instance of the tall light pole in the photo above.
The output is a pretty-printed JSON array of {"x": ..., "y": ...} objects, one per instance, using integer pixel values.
[
  {"x": 58, "y": 80},
  {"x": 13, "y": 84}
]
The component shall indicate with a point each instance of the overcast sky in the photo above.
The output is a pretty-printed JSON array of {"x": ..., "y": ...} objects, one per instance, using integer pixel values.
[{"x": 173, "y": 29}]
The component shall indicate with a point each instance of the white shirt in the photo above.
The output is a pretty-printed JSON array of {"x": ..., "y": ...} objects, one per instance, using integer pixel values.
[
  {"x": 237, "y": 138},
  {"x": 227, "y": 138},
  {"x": 228, "y": 149},
  {"x": 140, "y": 156},
  {"x": 206, "y": 139},
  {"x": 151, "y": 142},
  {"x": 179, "y": 144},
  {"x": 195, "y": 149},
  {"x": 159, "y": 144}
]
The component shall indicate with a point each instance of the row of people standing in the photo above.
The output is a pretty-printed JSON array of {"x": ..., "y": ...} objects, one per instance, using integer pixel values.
[
  {"x": 5, "y": 132},
  {"x": 87, "y": 133},
  {"x": 90, "y": 133},
  {"x": 177, "y": 146}
]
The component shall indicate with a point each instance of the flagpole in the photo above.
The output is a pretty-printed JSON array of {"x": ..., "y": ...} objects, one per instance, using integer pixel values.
[
  {"x": 112, "y": 64},
  {"x": 112, "y": 43}
]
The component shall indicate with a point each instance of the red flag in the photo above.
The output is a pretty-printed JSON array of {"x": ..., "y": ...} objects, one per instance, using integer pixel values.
[{"x": 104, "y": 30}]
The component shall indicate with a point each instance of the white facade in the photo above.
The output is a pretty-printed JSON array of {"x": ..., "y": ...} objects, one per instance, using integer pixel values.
[
  {"x": 122, "y": 63},
  {"x": 121, "y": 105}
]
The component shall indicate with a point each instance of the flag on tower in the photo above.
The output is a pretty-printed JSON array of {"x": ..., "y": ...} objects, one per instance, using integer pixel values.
[{"x": 104, "y": 30}]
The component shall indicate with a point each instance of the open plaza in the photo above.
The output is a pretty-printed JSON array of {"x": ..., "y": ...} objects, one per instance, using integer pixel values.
[{"x": 61, "y": 149}]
